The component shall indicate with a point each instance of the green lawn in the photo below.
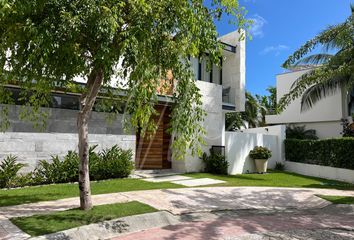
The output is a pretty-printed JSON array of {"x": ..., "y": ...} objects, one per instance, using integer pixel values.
[
  {"x": 50, "y": 223},
  {"x": 275, "y": 179},
  {"x": 59, "y": 191},
  {"x": 338, "y": 199}
]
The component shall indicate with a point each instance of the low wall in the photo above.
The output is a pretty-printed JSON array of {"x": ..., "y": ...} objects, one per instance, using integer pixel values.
[
  {"x": 32, "y": 147},
  {"x": 60, "y": 135},
  {"x": 239, "y": 144},
  {"x": 340, "y": 174}
]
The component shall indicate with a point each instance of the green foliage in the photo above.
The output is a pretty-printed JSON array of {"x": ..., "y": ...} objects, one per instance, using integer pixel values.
[
  {"x": 9, "y": 168},
  {"x": 267, "y": 105},
  {"x": 255, "y": 110},
  {"x": 299, "y": 132},
  {"x": 336, "y": 152},
  {"x": 348, "y": 129},
  {"x": 59, "y": 40},
  {"x": 215, "y": 163},
  {"x": 58, "y": 171},
  {"x": 260, "y": 152},
  {"x": 110, "y": 163},
  {"x": 279, "y": 166},
  {"x": 236, "y": 120},
  {"x": 328, "y": 73}
]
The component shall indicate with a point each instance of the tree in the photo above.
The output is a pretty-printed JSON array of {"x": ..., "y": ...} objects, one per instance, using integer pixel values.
[
  {"x": 129, "y": 44},
  {"x": 236, "y": 120},
  {"x": 267, "y": 104},
  {"x": 328, "y": 72}
]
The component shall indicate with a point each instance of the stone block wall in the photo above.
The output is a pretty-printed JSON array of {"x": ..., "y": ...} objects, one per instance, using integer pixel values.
[{"x": 31, "y": 145}]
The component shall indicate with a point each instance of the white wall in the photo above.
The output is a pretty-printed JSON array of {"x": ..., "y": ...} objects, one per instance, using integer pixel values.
[
  {"x": 233, "y": 73},
  {"x": 214, "y": 125},
  {"x": 324, "y": 116},
  {"x": 340, "y": 174},
  {"x": 239, "y": 144},
  {"x": 32, "y": 147},
  {"x": 234, "y": 69}
]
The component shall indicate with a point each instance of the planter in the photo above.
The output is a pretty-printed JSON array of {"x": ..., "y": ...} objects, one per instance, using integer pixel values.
[{"x": 261, "y": 165}]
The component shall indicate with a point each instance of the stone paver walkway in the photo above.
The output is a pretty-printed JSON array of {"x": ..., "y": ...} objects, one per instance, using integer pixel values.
[
  {"x": 167, "y": 178},
  {"x": 198, "y": 182},
  {"x": 183, "y": 180},
  {"x": 188, "y": 200},
  {"x": 185, "y": 200}
]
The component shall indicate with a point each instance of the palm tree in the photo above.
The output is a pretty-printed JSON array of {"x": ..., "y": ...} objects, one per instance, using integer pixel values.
[
  {"x": 267, "y": 105},
  {"x": 235, "y": 121},
  {"x": 328, "y": 72}
]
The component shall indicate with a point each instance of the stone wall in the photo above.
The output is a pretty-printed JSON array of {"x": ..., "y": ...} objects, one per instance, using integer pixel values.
[{"x": 31, "y": 145}]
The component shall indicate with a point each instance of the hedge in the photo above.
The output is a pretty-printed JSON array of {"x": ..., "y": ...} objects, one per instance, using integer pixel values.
[{"x": 336, "y": 152}]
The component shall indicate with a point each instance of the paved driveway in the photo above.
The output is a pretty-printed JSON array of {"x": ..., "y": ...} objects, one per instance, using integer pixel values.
[{"x": 178, "y": 201}]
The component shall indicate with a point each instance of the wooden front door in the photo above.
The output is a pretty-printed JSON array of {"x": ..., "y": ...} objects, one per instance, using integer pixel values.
[{"x": 154, "y": 152}]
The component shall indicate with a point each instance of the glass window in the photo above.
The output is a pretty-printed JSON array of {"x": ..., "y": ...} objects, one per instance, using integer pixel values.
[
  {"x": 65, "y": 102},
  {"x": 196, "y": 68},
  {"x": 206, "y": 72},
  {"x": 351, "y": 103},
  {"x": 216, "y": 75}
]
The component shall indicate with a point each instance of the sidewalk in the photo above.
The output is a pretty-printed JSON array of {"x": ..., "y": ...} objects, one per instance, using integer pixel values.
[{"x": 186, "y": 200}]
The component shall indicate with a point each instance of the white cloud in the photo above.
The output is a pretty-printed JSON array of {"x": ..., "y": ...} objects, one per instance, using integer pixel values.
[
  {"x": 274, "y": 49},
  {"x": 257, "y": 26}
]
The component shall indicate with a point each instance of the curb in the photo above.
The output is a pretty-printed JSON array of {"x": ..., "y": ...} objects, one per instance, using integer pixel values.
[{"x": 114, "y": 228}]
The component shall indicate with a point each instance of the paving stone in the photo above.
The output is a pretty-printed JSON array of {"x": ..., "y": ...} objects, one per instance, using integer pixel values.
[
  {"x": 176, "y": 178},
  {"x": 155, "y": 173},
  {"x": 198, "y": 182}
]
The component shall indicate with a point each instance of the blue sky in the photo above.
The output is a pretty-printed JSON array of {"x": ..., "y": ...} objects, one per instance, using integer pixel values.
[{"x": 281, "y": 26}]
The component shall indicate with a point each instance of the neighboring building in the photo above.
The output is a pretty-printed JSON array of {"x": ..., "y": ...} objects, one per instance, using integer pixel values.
[
  {"x": 324, "y": 117},
  {"x": 222, "y": 89}
]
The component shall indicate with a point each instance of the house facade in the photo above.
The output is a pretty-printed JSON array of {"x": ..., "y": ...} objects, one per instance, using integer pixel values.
[
  {"x": 222, "y": 89},
  {"x": 324, "y": 117}
]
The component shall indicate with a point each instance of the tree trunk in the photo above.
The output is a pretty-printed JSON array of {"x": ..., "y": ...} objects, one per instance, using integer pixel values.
[
  {"x": 87, "y": 101},
  {"x": 84, "y": 176}
]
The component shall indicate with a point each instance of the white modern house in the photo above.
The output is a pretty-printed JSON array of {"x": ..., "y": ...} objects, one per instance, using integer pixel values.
[
  {"x": 222, "y": 89},
  {"x": 324, "y": 116}
]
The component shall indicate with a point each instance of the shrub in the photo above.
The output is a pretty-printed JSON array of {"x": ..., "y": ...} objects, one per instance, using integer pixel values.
[
  {"x": 348, "y": 129},
  {"x": 9, "y": 168},
  {"x": 215, "y": 163},
  {"x": 116, "y": 162},
  {"x": 113, "y": 162},
  {"x": 58, "y": 171},
  {"x": 259, "y": 152},
  {"x": 279, "y": 166},
  {"x": 336, "y": 152},
  {"x": 299, "y": 132},
  {"x": 95, "y": 165}
]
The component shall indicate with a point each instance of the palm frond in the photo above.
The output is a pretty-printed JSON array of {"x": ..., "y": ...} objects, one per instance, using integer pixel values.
[
  {"x": 329, "y": 38},
  {"x": 327, "y": 78},
  {"x": 316, "y": 59},
  {"x": 318, "y": 91}
]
